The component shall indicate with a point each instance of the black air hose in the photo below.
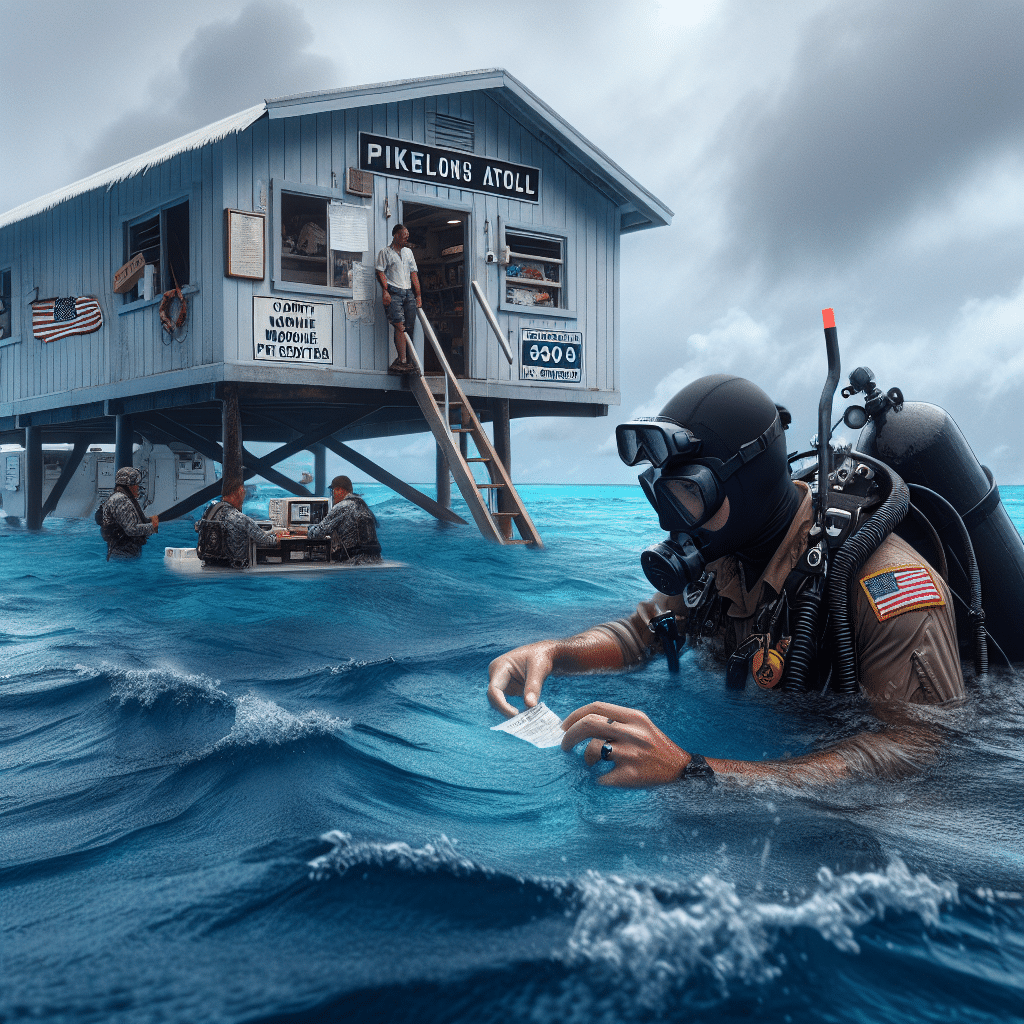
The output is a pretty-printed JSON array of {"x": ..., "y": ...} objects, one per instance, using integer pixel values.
[
  {"x": 977, "y": 613},
  {"x": 802, "y": 657},
  {"x": 848, "y": 561}
]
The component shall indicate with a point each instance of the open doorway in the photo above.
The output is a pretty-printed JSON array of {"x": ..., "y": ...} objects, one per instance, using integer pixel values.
[{"x": 438, "y": 239}]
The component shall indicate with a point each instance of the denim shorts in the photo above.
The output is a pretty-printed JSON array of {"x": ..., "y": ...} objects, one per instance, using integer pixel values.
[{"x": 402, "y": 309}]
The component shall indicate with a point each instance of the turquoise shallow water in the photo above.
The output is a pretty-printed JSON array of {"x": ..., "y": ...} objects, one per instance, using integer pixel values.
[{"x": 270, "y": 799}]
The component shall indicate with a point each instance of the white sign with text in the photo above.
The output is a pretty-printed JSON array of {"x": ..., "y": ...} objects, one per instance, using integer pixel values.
[{"x": 290, "y": 331}]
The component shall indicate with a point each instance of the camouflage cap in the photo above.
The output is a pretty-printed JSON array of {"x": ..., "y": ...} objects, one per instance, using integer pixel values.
[{"x": 126, "y": 476}]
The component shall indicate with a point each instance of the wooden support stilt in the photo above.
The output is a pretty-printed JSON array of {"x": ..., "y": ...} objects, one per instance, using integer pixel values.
[
  {"x": 123, "y": 435},
  {"x": 33, "y": 477},
  {"x": 231, "y": 438},
  {"x": 319, "y": 469},
  {"x": 503, "y": 447},
  {"x": 444, "y": 480}
]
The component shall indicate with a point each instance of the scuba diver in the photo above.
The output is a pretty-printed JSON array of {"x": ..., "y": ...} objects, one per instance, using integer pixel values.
[{"x": 801, "y": 586}]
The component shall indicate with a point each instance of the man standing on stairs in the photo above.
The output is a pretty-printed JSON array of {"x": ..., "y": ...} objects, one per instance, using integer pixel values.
[{"x": 399, "y": 277}]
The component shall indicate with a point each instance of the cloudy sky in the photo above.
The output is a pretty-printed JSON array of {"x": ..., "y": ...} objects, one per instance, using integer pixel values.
[{"x": 858, "y": 154}]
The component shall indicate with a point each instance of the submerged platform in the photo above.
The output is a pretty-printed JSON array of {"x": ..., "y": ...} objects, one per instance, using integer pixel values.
[{"x": 186, "y": 561}]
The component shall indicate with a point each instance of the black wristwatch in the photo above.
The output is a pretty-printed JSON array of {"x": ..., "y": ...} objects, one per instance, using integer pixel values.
[{"x": 697, "y": 768}]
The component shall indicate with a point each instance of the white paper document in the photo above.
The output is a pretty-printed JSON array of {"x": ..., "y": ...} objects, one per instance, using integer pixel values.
[
  {"x": 349, "y": 227},
  {"x": 539, "y": 726},
  {"x": 362, "y": 281}
]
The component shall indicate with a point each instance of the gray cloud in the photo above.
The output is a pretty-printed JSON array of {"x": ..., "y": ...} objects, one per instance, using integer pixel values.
[
  {"x": 890, "y": 108},
  {"x": 226, "y": 67}
]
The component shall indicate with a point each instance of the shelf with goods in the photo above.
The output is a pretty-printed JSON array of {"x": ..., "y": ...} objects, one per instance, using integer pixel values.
[{"x": 533, "y": 280}]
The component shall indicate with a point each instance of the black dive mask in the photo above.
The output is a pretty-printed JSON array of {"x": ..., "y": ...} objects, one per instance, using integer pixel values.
[{"x": 687, "y": 494}]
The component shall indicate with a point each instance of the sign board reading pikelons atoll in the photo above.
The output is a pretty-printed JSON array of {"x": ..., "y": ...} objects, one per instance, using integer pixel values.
[
  {"x": 286, "y": 331},
  {"x": 452, "y": 168},
  {"x": 551, "y": 355}
]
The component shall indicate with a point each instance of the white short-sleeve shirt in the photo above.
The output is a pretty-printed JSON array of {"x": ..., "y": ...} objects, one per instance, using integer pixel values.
[{"x": 397, "y": 267}]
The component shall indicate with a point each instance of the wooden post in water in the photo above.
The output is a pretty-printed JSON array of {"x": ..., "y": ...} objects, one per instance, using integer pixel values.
[
  {"x": 123, "y": 434},
  {"x": 231, "y": 436},
  {"x": 319, "y": 470},
  {"x": 503, "y": 448},
  {"x": 33, "y": 477},
  {"x": 444, "y": 480}
]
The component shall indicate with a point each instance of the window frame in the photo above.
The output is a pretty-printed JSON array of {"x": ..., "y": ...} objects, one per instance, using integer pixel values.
[
  {"x": 12, "y": 337},
  {"x": 167, "y": 281},
  {"x": 278, "y": 186},
  {"x": 565, "y": 311}
]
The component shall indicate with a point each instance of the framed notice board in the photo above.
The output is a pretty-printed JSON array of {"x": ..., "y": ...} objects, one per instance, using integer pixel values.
[{"x": 245, "y": 244}]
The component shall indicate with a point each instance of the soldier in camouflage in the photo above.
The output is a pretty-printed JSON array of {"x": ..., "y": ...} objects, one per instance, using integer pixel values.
[
  {"x": 238, "y": 529},
  {"x": 351, "y": 526},
  {"x": 123, "y": 524}
]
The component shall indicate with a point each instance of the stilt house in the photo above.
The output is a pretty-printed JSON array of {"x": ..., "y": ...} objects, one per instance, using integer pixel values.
[{"x": 220, "y": 289}]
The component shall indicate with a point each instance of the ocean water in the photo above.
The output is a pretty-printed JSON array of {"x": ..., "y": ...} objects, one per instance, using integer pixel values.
[{"x": 273, "y": 799}]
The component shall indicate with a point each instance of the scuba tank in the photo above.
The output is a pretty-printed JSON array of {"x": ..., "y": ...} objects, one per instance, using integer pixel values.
[{"x": 923, "y": 444}]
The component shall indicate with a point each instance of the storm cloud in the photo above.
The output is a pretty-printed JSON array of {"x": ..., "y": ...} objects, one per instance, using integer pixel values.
[
  {"x": 890, "y": 109},
  {"x": 225, "y": 67}
]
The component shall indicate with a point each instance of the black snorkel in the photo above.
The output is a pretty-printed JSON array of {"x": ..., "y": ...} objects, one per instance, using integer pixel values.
[{"x": 828, "y": 392}]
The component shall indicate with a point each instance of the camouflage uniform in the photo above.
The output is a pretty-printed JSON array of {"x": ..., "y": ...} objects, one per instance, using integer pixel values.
[
  {"x": 352, "y": 528},
  {"x": 239, "y": 529},
  {"x": 124, "y": 529}
]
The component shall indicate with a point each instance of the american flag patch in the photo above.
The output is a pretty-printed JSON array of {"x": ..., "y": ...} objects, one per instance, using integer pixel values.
[
  {"x": 53, "y": 319},
  {"x": 901, "y": 588}
]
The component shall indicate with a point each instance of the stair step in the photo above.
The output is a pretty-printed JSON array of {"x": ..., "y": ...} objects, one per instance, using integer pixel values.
[
  {"x": 493, "y": 514},
  {"x": 517, "y": 541},
  {"x": 462, "y": 430},
  {"x": 489, "y": 485},
  {"x": 482, "y": 459}
]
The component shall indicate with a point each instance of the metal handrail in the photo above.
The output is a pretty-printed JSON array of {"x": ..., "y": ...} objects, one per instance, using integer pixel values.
[
  {"x": 429, "y": 335},
  {"x": 492, "y": 321}
]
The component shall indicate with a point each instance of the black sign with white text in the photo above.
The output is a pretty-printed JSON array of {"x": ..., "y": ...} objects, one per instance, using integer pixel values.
[
  {"x": 551, "y": 355},
  {"x": 449, "y": 167}
]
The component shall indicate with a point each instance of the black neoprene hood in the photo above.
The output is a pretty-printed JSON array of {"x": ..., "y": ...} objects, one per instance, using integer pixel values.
[{"x": 727, "y": 412}]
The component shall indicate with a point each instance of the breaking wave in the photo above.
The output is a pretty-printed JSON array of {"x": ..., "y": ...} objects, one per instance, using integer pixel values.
[{"x": 262, "y": 722}]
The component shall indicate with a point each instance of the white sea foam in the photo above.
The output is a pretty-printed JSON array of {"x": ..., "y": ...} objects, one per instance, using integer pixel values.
[
  {"x": 708, "y": 929},
  {"x": 146, "y": 686},
  {"x": 259, "y": 721},
  {"x": 439, "y": 855}
]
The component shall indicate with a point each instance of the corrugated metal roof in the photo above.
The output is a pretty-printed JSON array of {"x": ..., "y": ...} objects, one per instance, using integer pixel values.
[{"x": 128, "y": 168}]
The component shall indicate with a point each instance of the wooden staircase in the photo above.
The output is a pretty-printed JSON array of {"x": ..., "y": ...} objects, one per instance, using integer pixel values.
[{"x": 450, "y": 416}]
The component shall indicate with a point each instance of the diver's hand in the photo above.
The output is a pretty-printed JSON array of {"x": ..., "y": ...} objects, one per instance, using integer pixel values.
[
  {"x": 520, "y": 673},
  {"x": 643, "y": 755}
]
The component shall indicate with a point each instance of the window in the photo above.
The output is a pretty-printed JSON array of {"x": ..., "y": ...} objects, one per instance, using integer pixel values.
[
  {"x": 534, "y": 275},
  {"x": 5, "y": 303},
  {"x": 306, "y": 256},
  {"x": 163, "y": 238}
]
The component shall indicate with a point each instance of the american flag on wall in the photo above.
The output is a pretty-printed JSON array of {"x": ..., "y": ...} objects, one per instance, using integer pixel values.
[
  {"x": 53, "y": 319},
  {"x": 902, "y": 588}
]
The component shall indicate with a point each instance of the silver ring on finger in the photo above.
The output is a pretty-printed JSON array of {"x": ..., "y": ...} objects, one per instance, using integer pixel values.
[{"x": 606, "y": 752}]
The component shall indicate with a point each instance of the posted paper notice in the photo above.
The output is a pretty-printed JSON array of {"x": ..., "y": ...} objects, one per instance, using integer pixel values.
[{"x": 539, "y": 726}]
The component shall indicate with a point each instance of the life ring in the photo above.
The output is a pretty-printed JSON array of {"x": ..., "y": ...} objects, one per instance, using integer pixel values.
[{"x": 170, "y": 326}]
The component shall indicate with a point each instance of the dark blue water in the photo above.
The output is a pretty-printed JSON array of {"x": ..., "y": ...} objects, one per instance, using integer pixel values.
[{"x": 277, "y": 799}]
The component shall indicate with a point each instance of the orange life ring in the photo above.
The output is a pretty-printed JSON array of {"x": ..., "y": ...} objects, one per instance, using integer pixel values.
[{"x": 169, "y": 325}]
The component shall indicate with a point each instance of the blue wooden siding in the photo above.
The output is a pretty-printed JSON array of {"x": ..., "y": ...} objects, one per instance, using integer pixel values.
[{"x": 75, "y": 248}]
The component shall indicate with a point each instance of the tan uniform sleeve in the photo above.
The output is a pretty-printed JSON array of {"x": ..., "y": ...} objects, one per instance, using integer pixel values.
[
  {"x": 912, "y": 656},
  {"x": 632, "y": 634}
]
